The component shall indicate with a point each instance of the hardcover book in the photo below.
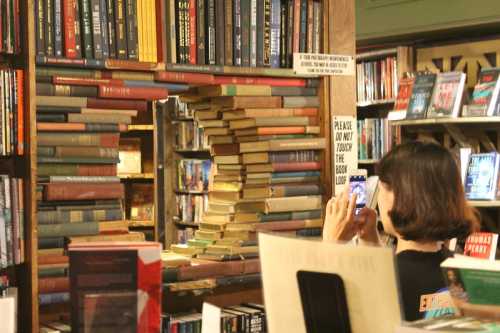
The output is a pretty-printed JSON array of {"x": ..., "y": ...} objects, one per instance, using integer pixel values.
[
  {"x": 482, "y": 245},
  {"x": 420, "y": 96},
  {"x": 447, "y": 96},
  {"x": 482, "y": 176},
  {"x": 485, "y": 95}
]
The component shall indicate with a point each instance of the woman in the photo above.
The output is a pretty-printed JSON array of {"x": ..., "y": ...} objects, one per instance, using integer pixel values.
[{"x": 422, "y": 203}]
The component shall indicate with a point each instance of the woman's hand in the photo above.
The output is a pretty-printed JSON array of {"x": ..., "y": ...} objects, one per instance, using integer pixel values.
[
  {"x": 339, "y": 218},
  {"x": 342, "y": 225}
]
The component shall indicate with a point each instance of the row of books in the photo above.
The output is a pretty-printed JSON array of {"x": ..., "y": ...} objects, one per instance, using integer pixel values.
[
  {"x": 12, "y": 112},
  {"x": 429, "y": 95},
  {"x": 193, "y": 174},
  {"x": 265, "y": 152},
  {"x": 96, "y": 29},
  {"x": 374, "y": 138},
  {"x": 11, "y": 221},
  {"x": 191, "y": 207},
  {"x": 189, "y": 136},
  {"x": 246, "y": 33},
  {"x": 10, "y": 41},
  {"x": 377, "y": 80},
  {"x": 244, "y": 318}
]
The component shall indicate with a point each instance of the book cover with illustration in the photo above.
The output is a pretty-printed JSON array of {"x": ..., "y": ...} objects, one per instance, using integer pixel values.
[
  {"x": 421, "y": 95},
  {"x": 482, "y": 176},
  {"x": 485, "y": 95},
  {"x": 447, "y": 96}
]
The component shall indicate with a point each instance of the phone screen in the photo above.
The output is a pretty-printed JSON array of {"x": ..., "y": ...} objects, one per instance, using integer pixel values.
[{"x": 357, "y": 184}]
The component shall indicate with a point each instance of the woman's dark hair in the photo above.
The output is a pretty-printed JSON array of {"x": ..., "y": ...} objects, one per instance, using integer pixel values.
[{"x": 429, "y": 201}]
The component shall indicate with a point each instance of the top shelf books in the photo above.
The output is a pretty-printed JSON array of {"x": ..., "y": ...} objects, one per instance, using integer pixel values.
[{"x": 10, "y": 42}]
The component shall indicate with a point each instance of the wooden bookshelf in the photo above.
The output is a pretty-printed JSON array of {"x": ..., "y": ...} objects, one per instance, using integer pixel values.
[
  {"x": 378, "y": 102},
  {"x": 493, "y": 121}
]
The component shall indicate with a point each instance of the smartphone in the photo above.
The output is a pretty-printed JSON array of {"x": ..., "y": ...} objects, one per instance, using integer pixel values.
[{"x": 357, "y": 184}]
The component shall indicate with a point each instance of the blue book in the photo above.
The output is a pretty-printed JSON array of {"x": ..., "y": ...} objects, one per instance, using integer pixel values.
[
  {"x": 172, "y": 87},
  {"x": 482, "y": 176}
]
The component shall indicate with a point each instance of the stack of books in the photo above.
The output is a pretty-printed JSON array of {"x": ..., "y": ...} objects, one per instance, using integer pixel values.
[
  {"x": 95, "y": 30},
  {"x": 265, "y": 147},
  {"x": 80, "y": 197},
  {"x": 247, "y": 33}
]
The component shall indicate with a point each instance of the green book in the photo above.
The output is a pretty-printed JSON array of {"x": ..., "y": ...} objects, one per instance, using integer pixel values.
[{"x": 68, "y": 229}]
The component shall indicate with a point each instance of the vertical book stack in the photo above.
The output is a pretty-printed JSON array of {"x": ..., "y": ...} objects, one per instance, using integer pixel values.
[
  {"x": 10, "y": 41},
  {"x": 265, "y": 147},
  {"x": 80, "y": 197}
]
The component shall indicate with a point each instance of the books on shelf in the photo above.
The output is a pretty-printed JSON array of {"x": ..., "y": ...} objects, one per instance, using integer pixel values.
[
  {"x": 191, "y": 207},
  {"x": 481, "y": 182},
  {"x": 242, "y": 33},
  {"x": 11, "y": 221},
  {"x": 142, "y": 202},
  {"x": 189, "y": 137},
  {"x": 374, "y": 138},
  {"x": 377, "y": 80},
  {"x": 193, "y": 175},
  {"x": 10, "y": 34},
  {"x": 12, "y": 121},
  {"x": 95, "y": 30}
]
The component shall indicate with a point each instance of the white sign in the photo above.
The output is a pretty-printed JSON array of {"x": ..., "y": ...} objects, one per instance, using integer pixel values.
[
  {"x": 345, "y": 150},
  {"x": 323, "y": 64},
  {"x": 210, "y": 320}
]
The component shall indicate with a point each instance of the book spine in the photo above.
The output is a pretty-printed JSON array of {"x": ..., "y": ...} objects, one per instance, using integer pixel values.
[
  {"x": 172, "y": 32},
  {"x": 110, "y": 22},
  {"x": 40, "y": 27},
  {"x": 245, "y": 32},
  {"x": 290, "y": 29},
  {"x": 86, "y": 17},
  {"x": 211, "y": 37},
  {"x": 253, "y": 33},
  {"x": 53, "y": 285},
  {"x": 83, "y": 191},
  {"x": 220, "y": 27},
  {"x": 120, "y": 28},
  {"x": 103, "y": 10},
  {"x": 192, "y": 32},
  {"x": 79, "y": 216},
  {"x": 131, "y": 29},
  {"x": 96, "y": 29},
  {"x": 20, "y": 111},
  {"x": 303, "y": 26},
  {"x": 58, "y": 29},
  {"x": 200, "y": 32},
  {"x": 316, "y": 45},
  {"x": 260, "y": 33},
  {"x": 68, "y": 230},
  {"x": 237, "y": 32},
  {"x": 275, "y": 41},
  {"x": 78, "y": 28},
  {"x": 310, "y": 26},
  {"x": 132, "y": 92},
  {"x": 49, "y": 27},
  {"x": 100, "y": 103},
  {"x": 69, "y": 28},
  {"x": 178, "y": 29},
  {"x": 228, "y": 33},
  {"x": 267, "y": 32}
]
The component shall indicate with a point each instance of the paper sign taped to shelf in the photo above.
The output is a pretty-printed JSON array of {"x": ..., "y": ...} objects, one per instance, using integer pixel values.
[
  {"x": 345, "y": 150},
  {"x": 323, "y": 64}
]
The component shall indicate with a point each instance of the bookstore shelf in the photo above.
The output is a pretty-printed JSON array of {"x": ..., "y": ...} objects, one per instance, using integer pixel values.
[
  {"x": 375, "y": 103},
  {"x": 108, "y": 64},
  {"x": 446, "y": 121},
  {"x": 236, "y": 70}
]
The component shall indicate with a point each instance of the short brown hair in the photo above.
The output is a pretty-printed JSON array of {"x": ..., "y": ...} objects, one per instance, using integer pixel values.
[{"x": 429, "y": 200}]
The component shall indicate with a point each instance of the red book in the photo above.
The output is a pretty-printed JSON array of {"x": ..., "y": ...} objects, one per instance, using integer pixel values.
[
  {"x": 84, "y": 191},
  {"x": 181, "y": 77},
  {"x": 96, "y": 170},
  {"x": 266, "y": 81},
  {"x": 52, "y": 260},
  {"x": 404, "y": 93},
  {"x": 69, "y": 7},
  {"x": 192, "y": 32},
  {"x": 149, "y": 93},
  {"x": 85, "y": 81},
  {"x": 17, "y": 33},
  {"x": 481, "y": 245},
  {"x": 296, "y": 26},
  {"x": 296, "y": 166},
  {"x": 53, "y": 285},
  {"x": 20, "y": 112},
  {"x": 99, "y": 103}
]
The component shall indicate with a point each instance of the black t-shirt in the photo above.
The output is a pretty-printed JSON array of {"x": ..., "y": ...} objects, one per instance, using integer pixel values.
[{"x": 422, "y": 283}]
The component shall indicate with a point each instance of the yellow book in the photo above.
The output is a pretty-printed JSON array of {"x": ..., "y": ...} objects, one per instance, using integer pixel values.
[
  {"x": 154, "y": 44},
  {"x": 146, "y": 27},
  {"x": 140, "y": 29},
  {"x": 234, "y": 90}
]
